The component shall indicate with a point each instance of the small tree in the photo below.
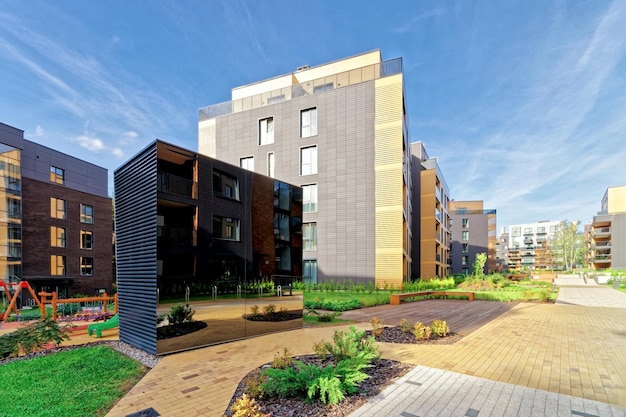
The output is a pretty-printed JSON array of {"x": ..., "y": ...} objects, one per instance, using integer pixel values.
[
  {"x": 478, "y": 269},
  {"x": 569, "y": 244}
]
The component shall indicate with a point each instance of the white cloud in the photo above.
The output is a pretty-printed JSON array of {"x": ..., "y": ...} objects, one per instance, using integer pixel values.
[
  {"x": 39, "y": 131},
  {"x": 118, "y": 153},
  {"x": 90, "y": 142}
]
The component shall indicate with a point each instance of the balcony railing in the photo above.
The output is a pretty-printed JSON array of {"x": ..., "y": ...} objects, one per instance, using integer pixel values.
[
  {"x": 176, "y": 185},
  {"x": 343, "y": 79}
]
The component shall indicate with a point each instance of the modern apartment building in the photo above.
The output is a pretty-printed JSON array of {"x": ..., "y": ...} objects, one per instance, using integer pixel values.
[
  {"x": 56, "y": 219},
  {"x": 502, "y": 250},
  {"x": 195, "y": 228},
  {"x": 431, "y": 217},
  {"x": 338, "y": 130},
  {"x": 606, "y": 236},
  {"x": 473, "y": 232},
  {"x": 529, "y": 245}
]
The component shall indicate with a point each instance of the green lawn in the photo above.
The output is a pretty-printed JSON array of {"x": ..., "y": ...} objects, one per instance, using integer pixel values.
[{"x": 81, "y": 382}]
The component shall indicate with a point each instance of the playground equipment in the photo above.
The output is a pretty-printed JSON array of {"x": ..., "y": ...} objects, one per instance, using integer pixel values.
[
  {"x": 97, "y": 311},
  {"x": 20, "y": 286},
  {"x": 112, "y": 323}
]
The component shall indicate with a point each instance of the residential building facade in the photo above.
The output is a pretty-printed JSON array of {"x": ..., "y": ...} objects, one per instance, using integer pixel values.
[
  {"x": 195, "y": 228},
  {"x": 431, "y": 225},
  {"x": 339, "y": 131},
  {"x": 529, "y": 246},
  {"x": 56, "y": 225},
  {"x": 606, "y": 235},
  {"x": 473, "y": 232}
]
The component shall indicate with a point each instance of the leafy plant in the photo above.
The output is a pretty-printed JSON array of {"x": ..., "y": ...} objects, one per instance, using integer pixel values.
[
  {"x": 33, "y": 337},
  {"x": 439, "y": 328},
  {"x": 269, "y": 309},
  {"x": 377, "y": 326},
  {"x": 352, "y": 344},
  {"x": 421, "y": 332},
  {"x": 254, "y": 310},
  {"x": 254, "y": 384},
  {"x": 284, "y": 360},
  {"x": 245, "y": 406},
  {"x": 180, "y": 314},
  {"x": 406, "y": 326}
]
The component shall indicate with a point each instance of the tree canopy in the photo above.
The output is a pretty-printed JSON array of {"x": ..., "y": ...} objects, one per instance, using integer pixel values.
[{"x": 568, "y": 244}]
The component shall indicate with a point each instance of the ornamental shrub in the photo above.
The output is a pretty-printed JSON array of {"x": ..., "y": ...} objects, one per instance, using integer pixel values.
[{"x": 439, "y": 328}]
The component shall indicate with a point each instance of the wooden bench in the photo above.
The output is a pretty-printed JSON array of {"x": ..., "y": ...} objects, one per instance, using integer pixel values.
[{"x": 394, "y": 299}]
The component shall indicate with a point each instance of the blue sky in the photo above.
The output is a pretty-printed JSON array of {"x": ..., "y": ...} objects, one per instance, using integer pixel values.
[{"x": 522, "y": 102}]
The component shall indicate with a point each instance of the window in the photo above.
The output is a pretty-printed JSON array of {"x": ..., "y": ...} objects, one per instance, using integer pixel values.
[
  {"x": 465, "y": 235},
  {"x": 57, "y": 175},
  {"x": 57, "y": 265},
  {"x": 225, "y": 228},
  {"x": 225, "y": 185},
  {"x": 13, "y": 177},
  {"x": 86, "y": 266},
  {"x": 308, "y": 160},
  {"x": 308, "y": 123},
  {"x": 309, "y": 236},
  {"x": 57, "y": 208},
  {"x": 310, "y": 271},
  {"x": 14, "y": 207},
  {"x": 554, "y": 228},
  {"x": 528, "y": 231},
  {"x": 516, "y": 232},
  {"x": 86, "y": 214},
  {"x": 270, "y": 164},
  {"x": 541, "y": 229},
  {"x": 57, "y": 237},
  {"x": 464, "y": 260},
  {"x": 282, "y": 195},
  {"x": 247, "y": 163},
  {"x": 86, "y": 239},
  {"x": 465, "y": 248},
  {"x": 465, "y": 271},
  {"x": 309, "y": 198},
  {"x": 281, "y": 227},
  {"x": 266, "y": 131},
  {"x": 465, "y": 223}
]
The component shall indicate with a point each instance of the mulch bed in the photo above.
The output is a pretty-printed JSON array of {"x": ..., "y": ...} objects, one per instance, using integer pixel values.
[
  {"x": 382, "y": 374},
  {"x": 169, "y": 331}
]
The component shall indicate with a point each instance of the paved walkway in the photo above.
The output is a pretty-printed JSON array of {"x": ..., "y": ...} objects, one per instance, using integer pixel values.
[{"x": 531, "y": 360}]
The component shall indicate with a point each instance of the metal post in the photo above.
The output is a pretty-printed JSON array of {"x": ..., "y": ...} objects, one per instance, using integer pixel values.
[
  {"x": 214, "y": 292},
  {"x": 238, "y": 291},
  {"x": 187, "y": 295},
  {"x": 279, "y": 291}
]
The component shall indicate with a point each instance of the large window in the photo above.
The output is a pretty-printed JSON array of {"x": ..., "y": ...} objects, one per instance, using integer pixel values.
[
  {"x": 14, "y": 207},
  {"x": 57, "y": 237},
  {"x": 86, "y": 214},
  {"x": 225, "y": 185},
  {"x": 57, "y": 175},
  {"x": 86, "y": 266},
  {"x": 309, "y": 236},
  {"x": 465, "y": 248},
  {"x": 266, "y": 131},
  {"x": 86, "y": 239},
  {"x": 516, "y": 232},
  {"x": 225, "y": 228},
  {"x": 309, "y": 198},
  {"x": 465, "y": 235},
  {"x": 247, "y": 163},
  {"x": 57, "y": 208},
  {"x": 465, "y": 223},
  {"x": 57, "y": 265},
  {"x": 308, "y": 160},
  {"x": 308, "y": 123},
  {"x": 310, "y": 271},
  {"x": 464, "y": 260}
]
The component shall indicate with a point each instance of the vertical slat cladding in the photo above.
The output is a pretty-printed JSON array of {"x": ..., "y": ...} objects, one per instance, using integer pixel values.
[
  {"x": 136, "y": 255},
  {"x": 389, "y": 182}
]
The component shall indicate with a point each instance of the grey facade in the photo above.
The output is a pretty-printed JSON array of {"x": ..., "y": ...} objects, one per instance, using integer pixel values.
[{"x": 350, "y": 242}]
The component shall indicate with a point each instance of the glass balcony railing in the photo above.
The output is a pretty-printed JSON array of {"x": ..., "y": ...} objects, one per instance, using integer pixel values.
[{"x": 343, "y": 79}]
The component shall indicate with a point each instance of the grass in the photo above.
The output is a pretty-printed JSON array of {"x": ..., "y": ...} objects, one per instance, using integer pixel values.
[
  {"x": 80, "y": 382},
  {"x": 367, "y": 299}
]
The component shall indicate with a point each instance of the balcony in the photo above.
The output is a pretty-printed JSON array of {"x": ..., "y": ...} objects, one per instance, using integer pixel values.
[
  {"x": 356, "y": 76},
  {"x": 173, "y": 184},
  {"x": 602, "y": 232},
  {"x": 602, "y": 259}
]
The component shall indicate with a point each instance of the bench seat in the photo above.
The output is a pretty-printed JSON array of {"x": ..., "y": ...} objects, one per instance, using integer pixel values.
[{"x": 394, "y": 299}]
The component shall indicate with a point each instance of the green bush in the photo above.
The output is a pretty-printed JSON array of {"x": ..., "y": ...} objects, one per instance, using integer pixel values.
[
  {"x": 353, "y": 344},
  {"x": 33, "y": 337},
  {"x": 334, "y": 305},
  {"x": 421, "y": 332},
  {"x": 180, "y": 314}
]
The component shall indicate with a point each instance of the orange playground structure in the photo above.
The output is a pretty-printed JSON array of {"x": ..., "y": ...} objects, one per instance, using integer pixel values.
[{"x": 95, "y": 313}]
